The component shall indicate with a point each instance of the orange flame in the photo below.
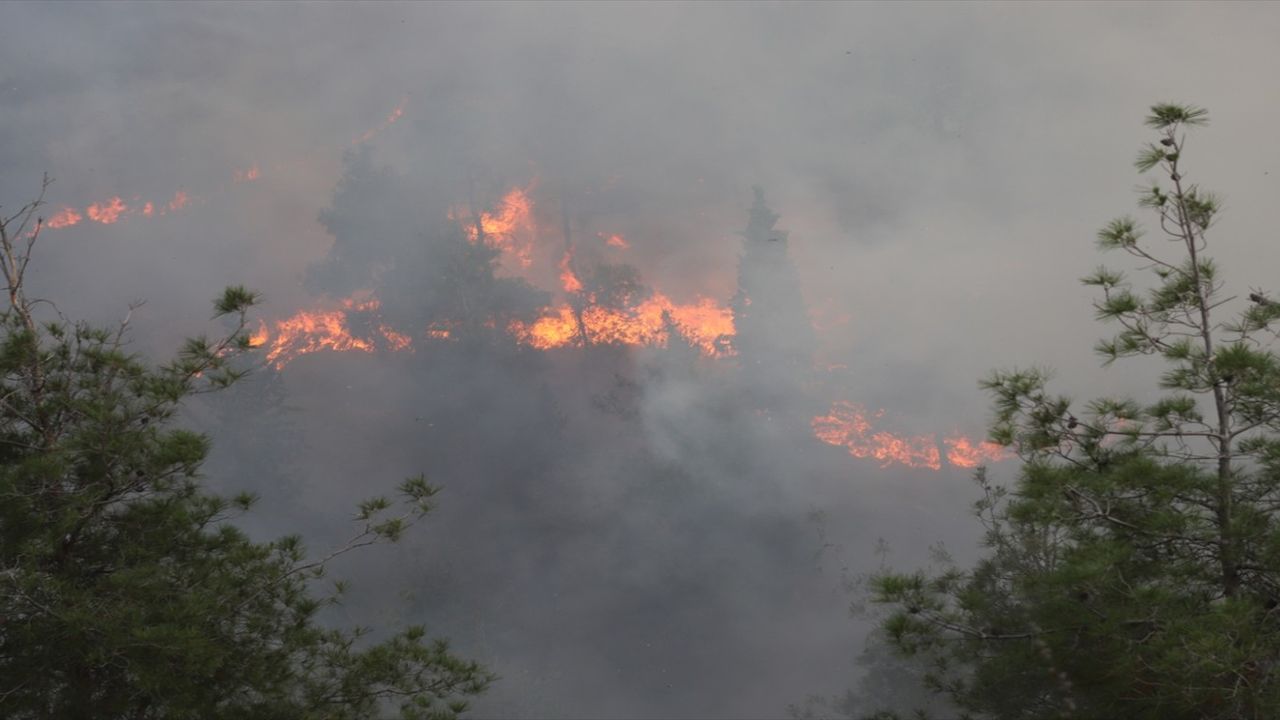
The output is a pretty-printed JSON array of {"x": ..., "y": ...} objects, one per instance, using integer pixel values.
[
  {"x": 440, "y": 331},
  {"x": 614, "y": 240},
  {"x": 704, "y": 324},
  {"x": 568, "y": 280},
  {"x": 395, "y": 115},
  {"x": 707, "y": 324},
  {"x": 962, "y": 452},
  {"x": 108, "y": 212},
  {"x": 549, "y": 331},
  {"x": 259, "y": 337},
  {"x": 849, "y": 426},
  {"x": 309, "y": 332},
  {"x": 510, "y": 229},
  {"x": 115, "y": 209},
  {"x": 65, "y": 217},
  {"x": 395, "y": 340}
]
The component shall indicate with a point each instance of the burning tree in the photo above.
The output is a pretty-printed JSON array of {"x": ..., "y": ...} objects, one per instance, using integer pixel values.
[
  {"x": 1134, "y": 569},
  {"x": 125, "y": 591},
  {"x": 434, "y": 273}
]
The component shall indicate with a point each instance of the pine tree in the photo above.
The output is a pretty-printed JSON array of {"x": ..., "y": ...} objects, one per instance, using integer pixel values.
[
  {"x": 125, "y": 588},
  {"x": 773, "y": 338},
  {"x": 1134, "y": 568}
]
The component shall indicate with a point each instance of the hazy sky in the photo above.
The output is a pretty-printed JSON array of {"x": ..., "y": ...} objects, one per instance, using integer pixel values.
[{"x": 942, "y": 167}]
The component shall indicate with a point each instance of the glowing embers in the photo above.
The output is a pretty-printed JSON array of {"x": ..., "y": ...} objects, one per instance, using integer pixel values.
[
  {"x": 509, "y": 229},
  {"x": 441, "y": 331},
  {"x": 332, "y": 330},
  {"x": 704, "y": 324},
  {"x": 849, "y": 426},
  {"x": 249, "y": 174}
]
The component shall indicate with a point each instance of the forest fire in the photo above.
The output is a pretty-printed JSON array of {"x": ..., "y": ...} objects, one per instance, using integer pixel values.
[
  {"x": 309, "y": 332},
  {"x": 510, "y": 228},
  {"x": 65, "y": 217},
  {"x": 440, "y": 331},
  {"x": 259, "y": 337},
  {"x": 649, "y": 320},
  {"x": 849, "y": 426},
  {"x": 107, "y": 212},
  {"x": 962, "y": 452},
  {"x": 115, "y": 209},
  {"x": 396, "y": 114},
  {"x": 705, "y": 324},
  {"x": 568, "y": 279},
  {"x": 590, "y": 314}
]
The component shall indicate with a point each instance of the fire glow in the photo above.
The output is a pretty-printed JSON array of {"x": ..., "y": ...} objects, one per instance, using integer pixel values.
[
  {"x": 568, "y": 278},
  {"x": 581, "y": 320},
  {"x": 396, "y": 114},
  {"x": 114, "y": 209},
  {"x": 312, "y": 331},
  {"x": 615, "y": 240},
  {"x": 849, "y": 426},
  {"x": 509, "y": 229},
  {"x": 704, "y": 324},
  {"x": 249, "y": 174},
  {"x": 66, "y": 217}
]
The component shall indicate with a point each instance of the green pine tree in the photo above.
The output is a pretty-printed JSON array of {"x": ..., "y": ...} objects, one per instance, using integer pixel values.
[
  {"x": 1134, "y": 567},
  {"x": 125, "y": 589}
]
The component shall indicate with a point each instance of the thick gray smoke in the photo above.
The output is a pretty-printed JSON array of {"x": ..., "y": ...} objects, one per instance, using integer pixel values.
[{"x": 624, "y": 532}]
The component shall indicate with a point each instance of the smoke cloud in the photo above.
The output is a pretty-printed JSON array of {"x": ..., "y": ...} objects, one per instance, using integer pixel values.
[{"x": 629, "y": 528}]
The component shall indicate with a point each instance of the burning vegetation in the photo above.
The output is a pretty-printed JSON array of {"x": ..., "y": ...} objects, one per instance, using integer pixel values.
[
  {"x": 509, "y": 228},
  {"x": 850, "y": 426},
  {"x": 593, "y": 303},
  {"x": 602, "y": 304},
  {"x": 114, "y": 209},
  {"x": 396, "y": 114},
  {"x": 313, "y": 331},
  {"x": 705, "y": 324}
]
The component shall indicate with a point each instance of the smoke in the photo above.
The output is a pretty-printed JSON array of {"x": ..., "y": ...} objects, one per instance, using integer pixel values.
[{"x": 640, "y": 529}]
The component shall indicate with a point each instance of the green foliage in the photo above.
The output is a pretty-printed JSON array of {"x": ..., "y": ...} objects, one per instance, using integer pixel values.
[
  {"x": 125, "y": 589},
  {"x": 235, "y": 300},
  {"x": 1166, "y": 116},
  {"x": 1133, "y": 570}
]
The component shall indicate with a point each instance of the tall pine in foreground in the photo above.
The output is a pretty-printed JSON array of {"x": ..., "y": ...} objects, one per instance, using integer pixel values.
[
  {"x": 1133, "y": 570},
  {"x": 125, "y": 589}
]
